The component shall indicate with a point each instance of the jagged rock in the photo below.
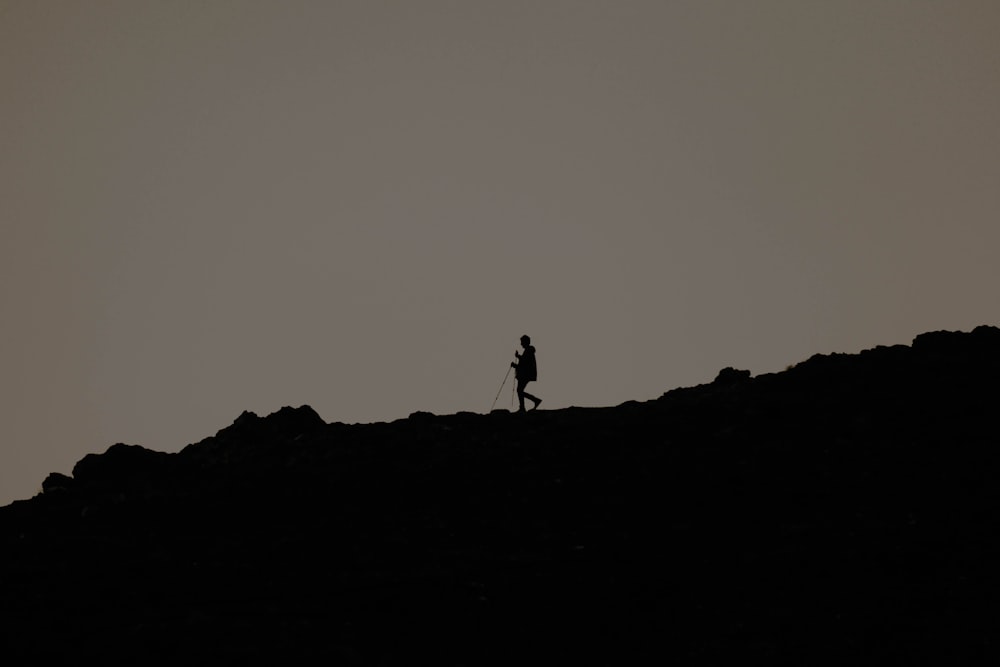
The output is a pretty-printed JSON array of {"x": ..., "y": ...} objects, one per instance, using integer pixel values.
[
  {"x": 57, "y": 482},
  {"x": 294, "y": 422},
  {"x": 286, "y": 424},
  {"x": 250, "y": 436},
  {"x": 120, "y": 466},
  {"x": 731, "y": 376}
]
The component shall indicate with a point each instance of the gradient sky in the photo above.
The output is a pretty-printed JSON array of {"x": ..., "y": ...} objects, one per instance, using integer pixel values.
[{"x": 211, "y": 207}]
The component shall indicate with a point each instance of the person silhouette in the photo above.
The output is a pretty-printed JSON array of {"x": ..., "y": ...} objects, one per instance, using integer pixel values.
[{"x": 525, "y": 370}]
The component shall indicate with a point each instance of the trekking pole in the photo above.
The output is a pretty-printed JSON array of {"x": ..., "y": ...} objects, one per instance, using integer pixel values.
[{"x": 501, "y": 388}]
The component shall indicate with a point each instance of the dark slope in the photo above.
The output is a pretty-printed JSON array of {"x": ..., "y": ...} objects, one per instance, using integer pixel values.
[{"x": 844, "y": 511}]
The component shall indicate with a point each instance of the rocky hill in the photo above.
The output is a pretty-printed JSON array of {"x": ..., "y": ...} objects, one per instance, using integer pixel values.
[{"x": 844, "y": 511}]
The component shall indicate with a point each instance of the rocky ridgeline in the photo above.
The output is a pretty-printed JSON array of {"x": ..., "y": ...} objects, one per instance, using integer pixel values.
[{"x": 843, "y": 511}]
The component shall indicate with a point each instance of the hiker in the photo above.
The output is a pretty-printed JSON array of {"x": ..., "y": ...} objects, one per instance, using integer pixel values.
[{"x": 526, "y": 370}]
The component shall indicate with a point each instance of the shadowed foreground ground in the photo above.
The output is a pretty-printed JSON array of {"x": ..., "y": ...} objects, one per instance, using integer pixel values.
[{"x": 843, "y": 511}]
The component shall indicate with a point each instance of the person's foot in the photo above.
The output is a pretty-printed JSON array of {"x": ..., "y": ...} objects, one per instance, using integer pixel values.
[
  {"x": 521, "y": 409},
  {"x": 538, "y": 402}
]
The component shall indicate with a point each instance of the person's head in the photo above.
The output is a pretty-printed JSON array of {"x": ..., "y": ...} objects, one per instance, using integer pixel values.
[{"x": 525, "y": 340}]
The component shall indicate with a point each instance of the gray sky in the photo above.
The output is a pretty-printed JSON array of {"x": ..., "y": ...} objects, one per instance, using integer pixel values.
[{"x": 211, "y": 207}]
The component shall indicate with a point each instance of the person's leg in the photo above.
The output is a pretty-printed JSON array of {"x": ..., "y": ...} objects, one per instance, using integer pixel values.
[
  {"x": 521, "y": 384},
  {"x": 523, "y": 395}
]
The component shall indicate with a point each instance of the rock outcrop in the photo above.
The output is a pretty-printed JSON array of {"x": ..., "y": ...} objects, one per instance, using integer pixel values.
[{"x": 844, "y": 511}]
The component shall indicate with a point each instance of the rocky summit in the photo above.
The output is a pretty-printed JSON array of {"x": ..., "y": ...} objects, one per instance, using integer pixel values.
[{"x": 844, "y": 511}]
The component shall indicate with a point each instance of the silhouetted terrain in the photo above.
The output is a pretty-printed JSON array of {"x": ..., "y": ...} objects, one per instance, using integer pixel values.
[{"x": 844, "y": 511}]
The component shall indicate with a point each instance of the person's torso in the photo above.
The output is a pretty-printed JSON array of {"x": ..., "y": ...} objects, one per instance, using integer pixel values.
[{"x": 527, "y": 369}]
